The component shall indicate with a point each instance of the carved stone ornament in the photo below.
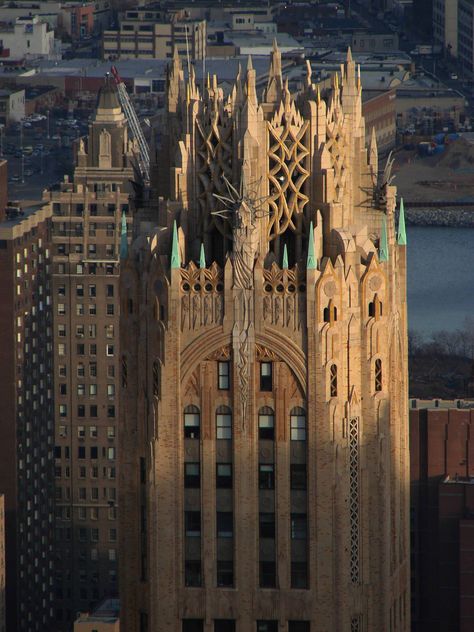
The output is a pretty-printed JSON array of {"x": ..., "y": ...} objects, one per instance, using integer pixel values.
[
  {"x": 375, "y": 283},
  {"x": 224, "y": 354},
  {"x": 329, "y": 289},
  {"x": 264, "y": 354}
]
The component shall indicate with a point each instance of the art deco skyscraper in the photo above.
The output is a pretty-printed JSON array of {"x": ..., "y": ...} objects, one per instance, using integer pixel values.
[{"x": 264, "y": 452}]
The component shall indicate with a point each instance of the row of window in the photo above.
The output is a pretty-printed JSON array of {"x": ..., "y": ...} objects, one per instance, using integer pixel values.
[
  {"x": 81, "y": 411},
  {"x": 266, "y": 376},
  {"x": 266, "y": 476},
  {"x": 266, "y": 423},
  {"x": 93, "y": 432},
  {"x": 109, "y": 453},
  {"x": 81, "y": 349},
  {"x": 64, "y": 493},
  {"x": 225, "y": 522},
  {"x": 62, "y": 370},
  {"x": 81, "y": 330},
  {"x": 230, "y": 625},
  {"x": 225, "y": 574},
  {"x": 81, "y": 268},
  {"x": 65, "y": 472},
  {"x": 92, "y": 389}
]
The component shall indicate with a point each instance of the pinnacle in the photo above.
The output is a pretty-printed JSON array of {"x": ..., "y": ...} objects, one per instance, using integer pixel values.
[
  {"x": 402, "y": 234},
  {"x": 249, "y": 63},
  {"x": 275, "y": 45},
  {"x": 349, "y": 55}
]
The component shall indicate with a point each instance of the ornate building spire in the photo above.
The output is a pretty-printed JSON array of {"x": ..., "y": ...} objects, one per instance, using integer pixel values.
[
  {"x": 175, "y": 257},
  {"x": 402, "y": 235},
  {"x": 383, "y": 248},
  {"x": 275, "y": 81}
]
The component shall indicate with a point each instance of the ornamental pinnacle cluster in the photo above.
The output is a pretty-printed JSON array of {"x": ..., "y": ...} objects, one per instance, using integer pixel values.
[{"x": 264, "y": 446}]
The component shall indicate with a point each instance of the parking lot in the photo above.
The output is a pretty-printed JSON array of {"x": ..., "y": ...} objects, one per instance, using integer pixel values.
[{"x": 39, "y": 152}]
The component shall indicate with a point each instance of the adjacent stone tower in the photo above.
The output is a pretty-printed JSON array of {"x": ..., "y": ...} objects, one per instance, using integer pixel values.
[{"x": 264, "y": 452}]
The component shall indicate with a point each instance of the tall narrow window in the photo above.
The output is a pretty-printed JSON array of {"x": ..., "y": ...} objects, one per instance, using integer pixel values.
[
  {"x": 224, "y": 524},
  {"x": 156, "y": 378},
  {"x": 378, "y": 375},
  {"x": 266, "y": 423},
  {"x": 192, "y": 422},
  {"x": 223, "y": 423},
  {"x": 298, "y": 424},
  {"x": 266, "y": 376},
  {"x": 192, "y": 475},
  {"x": 333, "y": 380},
  {"x": 223, "y": 372},
  {"x": 266, "y": 476},
  {"x": 224, "y": 475}
]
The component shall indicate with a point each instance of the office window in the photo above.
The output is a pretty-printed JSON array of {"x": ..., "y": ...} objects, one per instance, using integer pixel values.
[
  {"x": 192, "y": 573},
  {"x": 266, "y": 423},
  {"x": 298, "y": 526},
  {"x": 192, "y": 625},
  {"x": 224, "y": 524},
  {"x": 224, "y": 625},
  {"x": 79, "y": 290},
  {"x": 192, "y": 475},
  {"x": 267, "y": 574},
  {"x": 223, "y": 370},
  {"x": 267, "y": 626},
  {"x": 266, "y": 476},
  {"x": 298, "y": 626},
  {"x": 299, "y": 575},
  {"x": 109, "y": 350},
  {"x": 92, "y": 291},
  {"x": 81, "y": 389},
  {"x": 224, "y": 475},
  {"x": 191, "y": 422},
  {"x": 109, "y": 291},
  {"x": 225, "y": 573},
  {"x": 110, "y": 411},
  {"x": 298, "y": 424},
  {"x": 266, "y": 376},
  {"x": 110, "y": 309},
  {"x": 298, "y": 476},
  {"x": 267, "y": 525},
  {"x": 192, "y": 524},
  {"x": 223, "y": 423},
  {"x": 81, "y": 452},
  {"x": 81, "y": 410}
]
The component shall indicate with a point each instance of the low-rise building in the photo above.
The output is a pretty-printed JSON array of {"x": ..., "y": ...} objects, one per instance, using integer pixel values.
[
  {"x": 77, "y": 19},
  {"x": 152, "y": 33},
  {"x": 12, "y": 105},
  {"x": 442, "y": 515},
  {"x": 27, "y": 37},
  {"x": 104, "y": 619}
]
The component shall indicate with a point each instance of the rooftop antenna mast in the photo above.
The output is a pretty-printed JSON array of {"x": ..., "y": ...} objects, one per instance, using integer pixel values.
[{"x": 134, "y": 125}]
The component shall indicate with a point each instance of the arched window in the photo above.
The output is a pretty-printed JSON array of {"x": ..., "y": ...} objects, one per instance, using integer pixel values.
[
  {"x": 330, "y": 313},
  {"x": 375, "y": 308},
  {"x": 223, "y": 423},
  {"x": 298, "y": 424},
  {"x": 266, "y": 423},
  {"x": 192, "y": 422},
  {"x": 378, "y": 375},
  {"x": 333, "y": 380}
]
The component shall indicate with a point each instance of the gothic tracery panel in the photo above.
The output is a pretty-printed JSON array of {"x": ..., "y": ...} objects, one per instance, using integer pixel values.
[{"x": 354, "y": 493}]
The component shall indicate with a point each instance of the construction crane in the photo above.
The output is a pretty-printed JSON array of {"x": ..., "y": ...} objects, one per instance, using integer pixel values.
[{"x": 134, "y": 125}]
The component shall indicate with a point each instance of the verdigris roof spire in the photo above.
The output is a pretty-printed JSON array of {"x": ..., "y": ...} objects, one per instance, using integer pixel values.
[
  {"x": 202, "y": 257},
  {"x": 402, "y": 234},
  {"x": 311, "y": 263},
  {"x": 383, "y": 247},
  {"x": 123, "y": 238},
  {"x": 175, "y": 258},
  {"x": 285, "y": 258}
]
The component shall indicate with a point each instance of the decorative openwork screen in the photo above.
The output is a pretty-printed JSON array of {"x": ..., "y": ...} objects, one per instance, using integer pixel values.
[
  {"x": 356, "y": 624},
  {"x": 354, "y": 491}
]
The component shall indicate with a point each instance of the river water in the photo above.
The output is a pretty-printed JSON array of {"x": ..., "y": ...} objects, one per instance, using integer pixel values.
[{"x": 440, "y": 277}]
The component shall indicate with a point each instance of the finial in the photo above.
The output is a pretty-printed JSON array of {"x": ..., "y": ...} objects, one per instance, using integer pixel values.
[
  {"x": 359, "y": 83},
  {"x": 202, "y": 257},
  {"x": 336, "y": 81},
  {"x": 349, "y": 55},
  {"x": 285, "y": 258},
  {"x": 123, "y": 238},
  {"x": 275, "y": 45},
  {"x": 249, "y": 63},
  {"x": 383, "y": 245},
  {"x": 402, "y": 234},
  {"x": 311, "y": 263},
  {"x": 208, "y": 81},
  {"x": 318, "y": 95},
  {"x": 188, "y": 94},
  {"x": 175, "y": 258}
]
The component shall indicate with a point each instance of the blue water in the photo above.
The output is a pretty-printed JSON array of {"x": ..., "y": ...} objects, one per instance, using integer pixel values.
[{"x": 440, "y": 277}]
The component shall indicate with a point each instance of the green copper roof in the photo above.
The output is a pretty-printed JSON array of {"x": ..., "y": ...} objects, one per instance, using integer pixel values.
[
  {"x": 285, "y": 258},
  {"x": 311, "y": 263},
  {"x": 123, "y": 238},
  {"x": 175, "y": 258},
  {"x": 202, "y": 257},
  {"x": 383, "y": 247},
  {"x": 402, "y": 233}
]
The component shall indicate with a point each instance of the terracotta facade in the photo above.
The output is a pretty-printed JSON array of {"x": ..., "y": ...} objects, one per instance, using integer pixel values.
[{"x": 263, "y": 414}]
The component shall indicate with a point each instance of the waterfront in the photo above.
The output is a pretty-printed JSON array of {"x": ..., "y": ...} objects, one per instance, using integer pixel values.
[{"x": 440, "y": 277}]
